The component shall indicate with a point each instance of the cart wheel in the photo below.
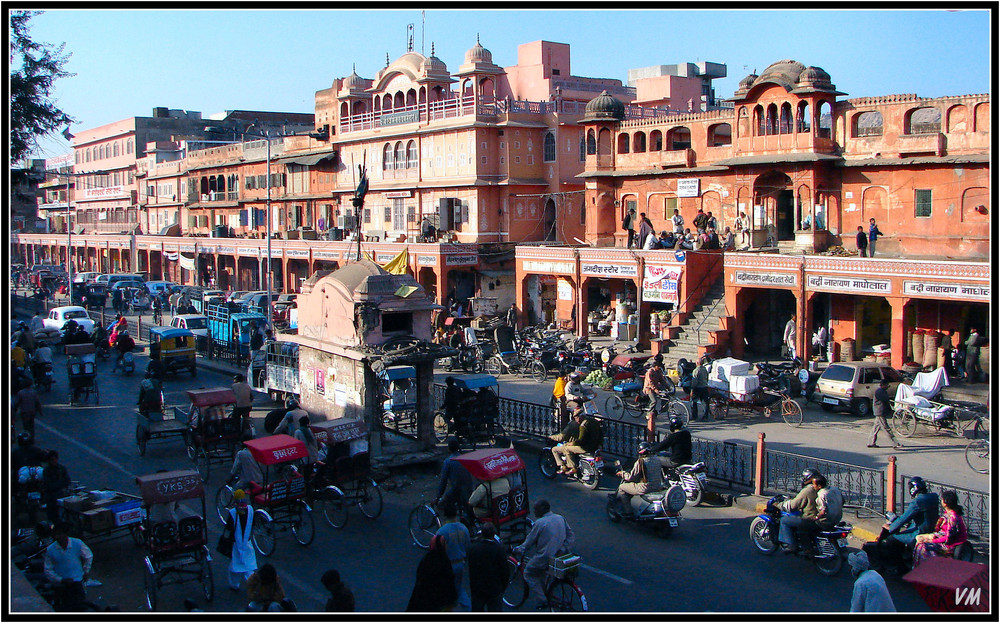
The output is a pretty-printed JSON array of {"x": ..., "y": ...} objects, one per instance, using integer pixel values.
[
  {"x": 205, "y": 576},
  {"x": 150, "y": 588},
  {"x": 440, "y": 427},
  {"x": 615, "y": 407},
  {"x": 203, "y": 463},
  {"x": 679, "y": 410},
  {"x": 791, "y": 412},
  {"x": 494, "y": 367},
  {"x": 140, "y": 440},
  {"x": 224, "y": 501},
  {"x": 304, "y": 527},
  {"x": 904, "y": 423},
  {"x": 423, "y": 524},
  {"x": 263, "y": 533},
  {"x": 138, "y": 536},
  {"x": 370, "y": 503},
  {"x": 334, "y": 507},
  {"x": 538, "y": 371}
]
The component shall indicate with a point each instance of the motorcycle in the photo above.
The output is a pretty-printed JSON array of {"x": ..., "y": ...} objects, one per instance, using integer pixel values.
[
  {"x": 773, "y": 375},
  {"x": 825, "y": 550},
  {"x": 102, "y": 349},
  {"x": 896, "y": 558},
  {"x": 660, "y": 510},
  {"x": 691, "y": 478},
  {"x": 588, "y": 467},
  {"x": 42, "y": 373},
  {"x": 126, "y": 364}
]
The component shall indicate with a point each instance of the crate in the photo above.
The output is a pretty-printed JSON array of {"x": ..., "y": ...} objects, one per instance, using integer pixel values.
[
  {"x": 76, "y": 503},
  {"x": 128, "y": 513},
  {"x": 98, "y": 520},
  {"x": 565, "y": 566}
]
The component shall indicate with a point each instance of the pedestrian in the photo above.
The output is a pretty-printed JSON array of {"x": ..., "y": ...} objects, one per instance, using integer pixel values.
[
  {"x": 559, "y": 397},
  {"x": 870, "y": 592},
  {"x": 55, "y": 484},
  {"x": 873, "y": 234},
  {"x": 645, "y": 229},
  {"x": 550, "y": 536},
  {"x": 678, "y": 222},
  {"x": 701, "y": 221},
  {"x": 713, "y": 223},
  {"x": 861, "y": 240},
  {"x": 434, "y": 589},
  {"x": 972, "y": 345},
  {"x": 239, "y": 524},
  {"x": 26, "y": 407},
  {"x": 36, "y": 323},
  {"x": 880, "y": 409},
  {"x": 341, "y": 598},
  {"x": 743, "y": 230},
  {"x": 489, "y": 572},
  {"x": 628, "y": 224},
  {"x": 456, "y": 543},
  {"x": 699, "y": 389},
  {"x": 789, "y": 337},
  {"x": 244, "y": 397},
  {"x": 266, "y": 593},
  {"x": 67, "y": 564}
]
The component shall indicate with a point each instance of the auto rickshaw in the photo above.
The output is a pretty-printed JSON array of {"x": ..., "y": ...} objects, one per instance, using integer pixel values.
[
  {"x": 175, "y": 349},
  {"x": 500, "y": 498},
  {"x": 176, "y": 547}
]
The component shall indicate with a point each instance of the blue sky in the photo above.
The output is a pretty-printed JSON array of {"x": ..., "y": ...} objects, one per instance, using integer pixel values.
[{"x": 129, "y": 61}]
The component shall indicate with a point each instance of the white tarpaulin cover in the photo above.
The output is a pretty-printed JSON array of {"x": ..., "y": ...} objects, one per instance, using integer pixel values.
[
  {"x": 925, "y": 384},
  {"x": 728, "y": 367}
]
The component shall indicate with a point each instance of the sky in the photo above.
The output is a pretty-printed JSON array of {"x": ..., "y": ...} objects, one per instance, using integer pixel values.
[{"x": 126, "y": 62}]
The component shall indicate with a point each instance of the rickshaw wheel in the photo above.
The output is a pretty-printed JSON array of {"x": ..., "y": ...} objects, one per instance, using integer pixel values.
[
  {"x": 614, "y": 406},
  {"x": 304, "y": 527},
  {"x": 538, "y": 372},
  {"x": 517, "y": 590},
  {"x": 334, "y": 508},
  {"x": 150, "y": 589},
  {"x": 207, "y": 580},
  {"x": 904, "y": 423},
  {"x": 498, "y": 436},
  {"x": 140, "y": 440},
  {"x": 791, "y": 412},
  {"x": 440, "y": 427},
  {"x": 493, "y": 366},
  {"x": 263, "y": 534},
  {"x": 679, "y": 410},
  {"x": 204, "y": 464},
  {"x": 224, "y": 501},
  {"x": 423, "y": 524},
  {"x": 370, "y": 503}
]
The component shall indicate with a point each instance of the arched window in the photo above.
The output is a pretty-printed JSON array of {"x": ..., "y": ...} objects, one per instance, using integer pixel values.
[
  {"x": 655, "y": 140},
  {"x": 398, "y": 100},
  {"x": 868, "y": 123},
  {"x": 411, "y": 98},
  {"x": 387, "y": 157},
  {"x": 925, "y": 120},
  {"x": 128, "y": 146},
  {"x": 88, "y": 155},
  {"x": 549, "y": 147},
  {"x": 591, "y": 143},
  {"x": 824, "y": 120},
  {"x": 204, "y": 186},
  {"x": 744, "y": 121},
  {"x": 639, "y": 142},
  {"x": 720, "y": 134},
  {"x": 411, "y": 155},
  {"x": 386, "y": 103},
  {"x": 678, "y": 138},
  {"x": 400, "y": 156},
  {"x": 771, "y": 124},
  {"x": 623, "y": 144},
  {"x": 344, "y": 110},
  {"x": 803, "y": 117},
  {"x": 583, "y": 148},
  {"x": 758, "y": 120},
  {"x": 785, "y": 122},
  {"x": 114, "y": 150},
  {"x": 359, "y": 108}
]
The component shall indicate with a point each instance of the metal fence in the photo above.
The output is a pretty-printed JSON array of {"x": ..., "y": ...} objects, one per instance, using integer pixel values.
[
  {"x": 975, "y": 505},
  {"x": 863, "y": 487},
  {"x": 726, "y": 461}
]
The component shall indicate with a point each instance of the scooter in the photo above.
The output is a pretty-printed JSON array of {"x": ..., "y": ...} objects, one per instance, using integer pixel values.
[
  {"x": 42, "y": 373},
  {"x": 127, "y": 364},
  {"x": 691, "y": 478},
  {"x": 825, "y": 550},
  {"x": 659, "y": 510},
  {"x": 894, "y": 558}
]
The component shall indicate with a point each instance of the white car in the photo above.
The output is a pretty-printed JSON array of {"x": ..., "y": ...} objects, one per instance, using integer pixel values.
[
  {"x": 195, "y": 323},
  {"x": 155, "y": 287},
  {"x": 84, "y": 277},
  {"x": 59, "y": 316}
]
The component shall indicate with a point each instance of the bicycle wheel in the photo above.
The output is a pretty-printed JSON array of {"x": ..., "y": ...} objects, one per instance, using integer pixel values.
[
  {"x": 423, "y": 524},
  {"x": 517, "y": 589},
  {"x": 636, "y": 404},
  {"x": 206, "y": 578},
  {"x": 370, "y": 502},
  {"x": 614, "y": 406},
  {"x": 223, "y": 502},
  {"x": 334, "y": 507},
  {"x": 904, "y": 422},
  {"x": 494, "y": 366},
  {"x": 565, "y": 596},
  {"x": 538, "y": 371},
  {"x": 791, "y": 412},
  {"x": 304, "y": 527},
  {"x": 262, "y": 534},
  {"x": 150, "y": 588},
  {"x": 440, "y": 427},
  {"x": 203, "y": 462},
  {"x": 977, "y": 455},
  {"x": 680, "y": 410}
]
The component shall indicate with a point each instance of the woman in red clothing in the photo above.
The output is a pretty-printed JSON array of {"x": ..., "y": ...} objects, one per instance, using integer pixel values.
[{"x": 948, "y": 533}]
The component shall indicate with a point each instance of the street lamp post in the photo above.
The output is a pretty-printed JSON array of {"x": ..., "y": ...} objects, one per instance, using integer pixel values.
[
  {"x": 267, "y": 210},
  {"x": 69, "y": 241}
]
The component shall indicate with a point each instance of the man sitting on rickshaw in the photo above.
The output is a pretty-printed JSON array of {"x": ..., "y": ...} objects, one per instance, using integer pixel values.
[
  {"x": 452, "y": 400},
  {"x": 245, "y": 470},
  {"x": 150, "y": 394},
  {"x": 482, "y": 498}
]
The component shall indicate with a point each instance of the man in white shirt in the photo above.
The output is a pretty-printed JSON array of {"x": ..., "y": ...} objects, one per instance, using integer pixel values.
[
  {"x": 678, "y": 222},
  {"x": 67, "y": 563}
]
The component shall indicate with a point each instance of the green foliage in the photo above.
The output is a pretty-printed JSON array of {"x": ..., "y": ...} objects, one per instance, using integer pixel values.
[{"x": 34, "y": 69}]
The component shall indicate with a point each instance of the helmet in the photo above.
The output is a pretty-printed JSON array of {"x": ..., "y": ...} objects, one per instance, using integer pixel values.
[
  {"x": 808, "y": 475},
  {"x": 576, "y": 375},
  {"x": 291, "y": 403},
  {"x": 25, "y": 439},
  {"x": 917, "y": 485},
  {"x": 644, "y": 448},
  {"x": 676, "y": 424}
]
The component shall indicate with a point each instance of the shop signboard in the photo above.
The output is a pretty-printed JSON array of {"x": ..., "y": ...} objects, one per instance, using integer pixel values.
[
  {"x": 381, "y": 258},
  {"x": 609, "y": 270},
  {"x": 548, "y": 268},
  {"x": 326, "y": 255},
  {"x": 753, "y": 278},
  {"x": 659, "y": 284},
  {"x": 296, "y": 253},
  {"x": 427, "y": 260},
  {"x": 689, "y": 187},
  {"x": 935, "y": 289},
  {"x": 565, "y": 290},
  {"x": 849, "y": 284},
  {"x": 470, "y": 259}
]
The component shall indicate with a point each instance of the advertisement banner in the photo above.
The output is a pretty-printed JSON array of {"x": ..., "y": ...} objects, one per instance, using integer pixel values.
[{"x": 659, "y": 284}]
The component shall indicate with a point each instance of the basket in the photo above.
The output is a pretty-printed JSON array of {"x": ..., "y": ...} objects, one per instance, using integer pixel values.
[{"x": 565, "y": 566}]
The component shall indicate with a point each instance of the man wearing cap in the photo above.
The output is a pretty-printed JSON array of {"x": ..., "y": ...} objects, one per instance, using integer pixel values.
[
  {"x": 239, "y": 524},
  {"x": 870, "y": 592}
]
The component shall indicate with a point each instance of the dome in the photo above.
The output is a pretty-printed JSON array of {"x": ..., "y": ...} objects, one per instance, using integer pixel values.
[
  {"x": 478, "y": 54},
  {"x": 354, "y": 81},
  {"x": 785, "y": 72},
  {"x": 604, "y": 107},
  {"x": 433, "y": 64},
  {"x": 746, "y": 82},
  {"x": 815, "y": 77}
]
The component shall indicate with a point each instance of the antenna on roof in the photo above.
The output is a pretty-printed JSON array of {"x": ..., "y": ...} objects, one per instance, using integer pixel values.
[
  {"x": 423, "y": 20},
  {"x": 409, "y": 37}
]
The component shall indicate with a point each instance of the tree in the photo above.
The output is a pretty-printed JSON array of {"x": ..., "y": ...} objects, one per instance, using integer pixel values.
[{"x": 34, "y": 69}]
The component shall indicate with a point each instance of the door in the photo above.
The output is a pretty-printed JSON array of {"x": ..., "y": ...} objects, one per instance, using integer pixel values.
[{"x": 785, "y": 216}]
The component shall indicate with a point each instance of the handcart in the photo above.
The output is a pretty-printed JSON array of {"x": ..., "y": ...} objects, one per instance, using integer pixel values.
[
  {"x": 101, "y": 515},
  {"x": 921, "y": 402},
  {"x": 154, "y": 425}
]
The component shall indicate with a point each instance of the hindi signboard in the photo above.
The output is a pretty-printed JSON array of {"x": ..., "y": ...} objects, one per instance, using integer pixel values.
[
  {"x": 659, "y": 284},
  {"x": 849, "y": 284}
]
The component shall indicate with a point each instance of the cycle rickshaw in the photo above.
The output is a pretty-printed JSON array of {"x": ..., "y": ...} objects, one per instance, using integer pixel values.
[
  {"x": 398, "y": 387},
  {"x": 154, "y": 425},
  {"x": 477, "y": 415},
  {"x": 279, "y": 502},
  {"x": 345, "y": 477},
  {"x": 746, "y": 395},
  {"x": 81, "y": 372},
  {"x": 176, "y": 548},
  {"x": 500, "y": 497},
  {"x": 213, "y": 435}
]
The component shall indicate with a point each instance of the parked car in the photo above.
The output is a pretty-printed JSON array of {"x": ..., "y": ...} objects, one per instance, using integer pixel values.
[
  {"x": 851, "y": 385},
  {"x": 110, "y": 280},
  {"x": 59, "y": 316},
  {"x": 195, "y": 323},
  {"x": 85, "y": 277},
  {"x": 119, "y": 285},
  {"x": 155, "y": 287},
  {"x": 236, "y": 295}
]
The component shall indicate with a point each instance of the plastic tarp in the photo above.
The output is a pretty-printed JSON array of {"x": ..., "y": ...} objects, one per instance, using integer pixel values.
[{"x": 925, "y": 384}]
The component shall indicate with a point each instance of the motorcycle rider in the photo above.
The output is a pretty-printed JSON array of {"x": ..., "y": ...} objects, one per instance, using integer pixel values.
[
  {"x": 645, "y": 476},
  {"x": 41, "y": 357},
  {"x": 830, "y": 507},
  {"x": 677, "y": 443},
  {"x": 576, "y": 393},
  {"x": 587, "y": 438},
  {"x": 550, "y": 536},
  {"x": 150, "y": 394},
  {"x": 124, "y": 344},
  {"x": 920, "y": 517},
  {"x": 805, "y": 501},
  {"x": 100, "y": 338}
]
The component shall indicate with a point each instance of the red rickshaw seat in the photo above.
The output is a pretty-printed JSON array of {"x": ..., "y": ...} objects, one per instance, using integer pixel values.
[
  {"x": 163, "y": 537},
  {"x": 190, "y": 531}
]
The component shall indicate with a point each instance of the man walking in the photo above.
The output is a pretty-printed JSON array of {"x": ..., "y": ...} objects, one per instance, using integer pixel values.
[
  {"x": 488, "y": 571},
  {"x": 789, "y": 336},
  {"x": 880, "y": 409},
  {"x": 972, "y": 368},
  {"x": 26, "y": 407},
  {"x": 873, "y": 234},
  {"x": 456, "y": 544},
  {"x": 67, "y": 563},
  {"x": 629, "y": 226},
  {"x": 861, "y": 240}
]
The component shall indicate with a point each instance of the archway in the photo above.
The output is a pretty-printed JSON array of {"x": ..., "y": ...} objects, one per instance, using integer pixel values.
[
  {"x": 549, "y": 220},
  {"x": 773, "y": 191}
]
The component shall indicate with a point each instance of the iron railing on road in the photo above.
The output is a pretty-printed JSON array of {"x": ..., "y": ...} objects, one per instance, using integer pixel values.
[
  {"x": 726, "y": 461},
  {"x": 863, "y": 487},
  {"x": 975, "y": 505}
]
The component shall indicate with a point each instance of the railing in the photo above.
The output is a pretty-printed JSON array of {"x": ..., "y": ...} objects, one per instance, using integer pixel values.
[
  {"x": 863, "y": 488},
  {"x": 726, "y": 461},
  {"x": 975, "y": 505}
]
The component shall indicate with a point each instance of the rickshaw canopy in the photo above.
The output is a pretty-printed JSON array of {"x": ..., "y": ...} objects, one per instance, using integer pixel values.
[
  {"x": 396, "y": 373},
  {"x": 162, "y": 333},
  {"x": 624, "y": 360},
  {"x": 172, "y": 486},
  {"x": 276, "y": 449},
  {"x": 339, "y": 430},
  {"x": 475, "y": 381},
  {"x": 211, "y": 397},
  {"x": 491, "y": 463},
  {"x": 940, "y": 581}
]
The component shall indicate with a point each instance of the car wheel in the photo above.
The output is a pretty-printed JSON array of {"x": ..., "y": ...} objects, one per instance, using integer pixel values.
[{"x": 862, "y": 407}]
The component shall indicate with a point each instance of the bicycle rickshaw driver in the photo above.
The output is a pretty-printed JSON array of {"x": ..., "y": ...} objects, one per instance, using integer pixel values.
[{"x": 501, "y": 495}]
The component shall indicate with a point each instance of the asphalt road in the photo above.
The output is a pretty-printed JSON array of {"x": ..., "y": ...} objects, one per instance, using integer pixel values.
[{"x": 708, "y": 564}]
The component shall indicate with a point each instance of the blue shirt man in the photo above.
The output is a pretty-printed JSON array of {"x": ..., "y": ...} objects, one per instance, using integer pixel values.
[{"x": 920, "y": 516}]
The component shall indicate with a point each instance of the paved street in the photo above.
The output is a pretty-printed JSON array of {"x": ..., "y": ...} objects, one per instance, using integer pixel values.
[{"x": 377, "y": 561}]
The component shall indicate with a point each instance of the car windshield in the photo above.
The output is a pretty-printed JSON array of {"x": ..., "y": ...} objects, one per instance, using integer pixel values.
[
  {"x": 73, "y": 315},
  {"x": 195, "y": 323},
  {"x": 838, "y": 373}
]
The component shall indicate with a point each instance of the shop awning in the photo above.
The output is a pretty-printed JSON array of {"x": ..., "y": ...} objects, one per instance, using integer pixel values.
[
  {"x": 777, "y": 159},
  {"x": 311, "y": 160}
]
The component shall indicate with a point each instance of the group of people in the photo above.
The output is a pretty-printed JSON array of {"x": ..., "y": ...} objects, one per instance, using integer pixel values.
[
  {"x": 639, "y": 232},
  {"x": 866, "y": 241}
]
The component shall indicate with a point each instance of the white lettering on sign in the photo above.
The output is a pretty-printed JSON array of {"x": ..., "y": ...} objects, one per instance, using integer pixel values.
[
  {"x": 296, "y": 253},
  {"x": 499, "y": 461},
  {"x": 765, "y": 279},
  {"x": 659, "y": 283},
  {"x": 850, "y": 284},
  {"x": 949, "y": 290},
  {"x": 155, "y": 246},
  {"x": 207, "y": 248},
  {"x": 613, "y": 270},
  {"x": 398, "y": 194},
  {"x": 548, "y": 267},
  {"x": 104, "y": 193},
  {"x": 222, "y": 249},
  {"x": 971, "y": 596},
  {"x": 427, "y": 260},
  {"x": 384, "y": 257},
  {"x": 565, "y": 290},
  {"x": 689, "y": 187},
  {"x": 461, "y": 260},
  {"x": 281, "y": 453},
  {"x": 326, "y": 255}
]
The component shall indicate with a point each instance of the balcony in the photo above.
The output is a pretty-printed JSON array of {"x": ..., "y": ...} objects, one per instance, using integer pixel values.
[
  {"x": 921, "y": 143},
  {"x": 677, "y": 158}
]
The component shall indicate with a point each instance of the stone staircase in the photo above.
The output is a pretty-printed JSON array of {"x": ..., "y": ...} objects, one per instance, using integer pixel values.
[{"x": 685, "y": 343}]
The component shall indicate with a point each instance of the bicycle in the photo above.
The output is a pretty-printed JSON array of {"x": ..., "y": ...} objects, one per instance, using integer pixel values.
[
  {"x": 425, "y": 520},
  {"x": 977, "y": 452},
  {"x": 562, "y": 593},
  {"x": 636, "y": 404}
]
